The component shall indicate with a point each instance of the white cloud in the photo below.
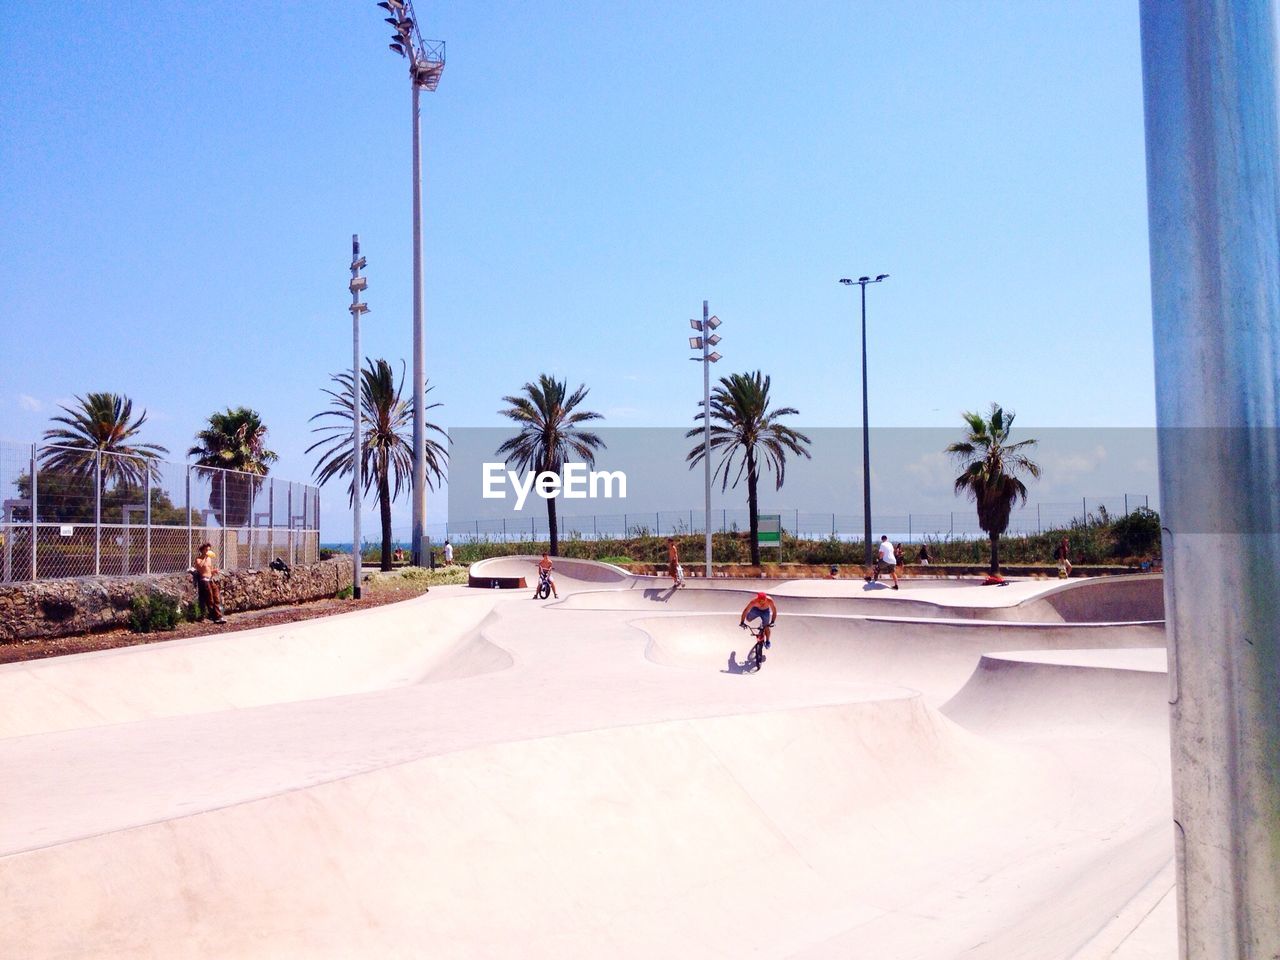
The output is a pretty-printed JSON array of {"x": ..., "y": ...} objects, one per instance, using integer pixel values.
[
  {"x": 933, "y": 469},
  {"x": 30, "y": 403}
]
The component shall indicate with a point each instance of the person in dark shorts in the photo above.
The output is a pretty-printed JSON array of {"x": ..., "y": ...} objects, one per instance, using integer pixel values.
[
  {"x": 208, "y": 595},
  {"x": 763, "y": 611}
]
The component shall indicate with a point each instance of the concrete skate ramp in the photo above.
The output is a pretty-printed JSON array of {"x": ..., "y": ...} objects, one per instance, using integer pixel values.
[
  {"x": 1110, "y": 599},
  {"x": 1065, "y": 692},
  {"x": 416, "y": 642},
  {"x": 614, "y": 791},
  {"x": 934, "y": 657},
  {"x": 571, "y": 572},
  {"x": 876, "y": 829}
]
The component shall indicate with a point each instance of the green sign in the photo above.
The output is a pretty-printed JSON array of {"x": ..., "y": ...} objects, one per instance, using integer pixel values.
[{"x": 769, "y": 530}]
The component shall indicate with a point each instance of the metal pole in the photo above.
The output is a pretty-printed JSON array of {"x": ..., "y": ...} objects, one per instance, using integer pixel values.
[
  {"x": 419, "y": 491},
  {"x": 190, "y": 544},
  {"x": 357, "y": 412},
  {"x": 706, "y": 432},
  {"x": 866, "y": 441},
  {"x": 271, "y": 520},
  {"x": 97, "y": 513},
  {"x": 1213, "y": 192},
  {"x": 146, "y": 490},
  {"x": 35, "y": 527}
]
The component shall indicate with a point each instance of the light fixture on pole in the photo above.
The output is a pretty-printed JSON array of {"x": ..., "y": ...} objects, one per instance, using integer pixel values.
[
  {"x": 357, "y": 286},
  {"x": 866, "y": 438},
  {"x": 426, "y": 64},
  {"x": 706, "y": 326}
]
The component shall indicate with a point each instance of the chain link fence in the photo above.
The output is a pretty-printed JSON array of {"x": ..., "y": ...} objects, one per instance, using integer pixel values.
[
  {"x": 806, "y": 525},
  {"x": 70, "y": 512}
]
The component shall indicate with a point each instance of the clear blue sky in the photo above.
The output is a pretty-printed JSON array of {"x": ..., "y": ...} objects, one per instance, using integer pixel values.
[{"x": 180, "y": 183}]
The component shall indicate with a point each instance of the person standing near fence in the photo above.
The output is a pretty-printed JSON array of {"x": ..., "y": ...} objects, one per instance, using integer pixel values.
[
  {"x": 448, "y": 553},
  {"x": 208, "y": 594}
]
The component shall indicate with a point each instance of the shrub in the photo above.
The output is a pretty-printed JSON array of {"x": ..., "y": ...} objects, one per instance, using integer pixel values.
[
  {"x": 1137, "y": 533},
  {"x": 154, "y": 611}
]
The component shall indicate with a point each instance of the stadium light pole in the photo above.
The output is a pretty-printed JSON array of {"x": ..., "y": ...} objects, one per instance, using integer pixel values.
[
  {"x": 706, "y": 326},
  {"x": 357, "y": 286},
  {"x": 866, "y": 437},
  {"x": 426, "y": 64}
]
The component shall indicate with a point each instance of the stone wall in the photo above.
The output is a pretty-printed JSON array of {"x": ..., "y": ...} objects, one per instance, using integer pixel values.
[{"x": 59, "y": 608}]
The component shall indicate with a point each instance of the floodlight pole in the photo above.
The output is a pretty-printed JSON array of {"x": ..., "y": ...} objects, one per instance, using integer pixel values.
[
  {"x": 866, "y": 433},
  {"x": 1213, "y": 192},
  {"x": 706, "y": 434},
  {"x": 426, "y": 64},
  {"x": 709, "y": 339},
  {"x": 358, "y": 283},
  {"x": 419, "y": 491}
]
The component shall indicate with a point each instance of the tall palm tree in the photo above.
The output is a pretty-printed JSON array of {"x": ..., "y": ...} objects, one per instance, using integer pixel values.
[
  {"x": 991, "y": 465},
  {"x": 235, "y": 439},
  {"x": 101, "y": 423},
  {"x": 386, "y": 439},
  {"x": 747, "y": 433},
  {"x": 549, "y": 434}
]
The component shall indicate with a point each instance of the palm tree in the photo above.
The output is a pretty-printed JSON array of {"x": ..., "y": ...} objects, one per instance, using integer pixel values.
[
  {"x": 744, "y": 426},
  {"x": 386, "y": 438},
  {"x": 234, "y": 440},
  {"x": 101, "y": 423},
  {"x": 549, "y": 434},
  {"x": 991, "y": 467}
]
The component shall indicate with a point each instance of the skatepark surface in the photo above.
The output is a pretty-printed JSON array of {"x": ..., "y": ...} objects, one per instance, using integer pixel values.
[{"x": 946, "y": 770}]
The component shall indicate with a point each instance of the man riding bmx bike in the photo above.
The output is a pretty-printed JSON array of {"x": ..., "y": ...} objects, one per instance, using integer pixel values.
[
  {"x": 544, "y": 570},
  {"x": 764, "y": 612}
]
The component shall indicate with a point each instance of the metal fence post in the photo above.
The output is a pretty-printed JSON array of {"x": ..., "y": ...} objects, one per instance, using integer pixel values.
[
  {"x": 271, "y": 520},
  {"x": 1126, "y": 504},
  {"x": 35, "y": 528},
  {"x": 97, "y": 513},
  {"x": 190, "y": 531},
  {"x": 293, "y": 557},
  {"x": 146, "y": 499},
  {"x": 1039, "y": 529},
  {"x": 1084, "y": 505}
]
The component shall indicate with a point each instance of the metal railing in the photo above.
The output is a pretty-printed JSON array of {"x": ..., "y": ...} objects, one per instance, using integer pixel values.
[
  {"x": 69, "y": 512},
  {"x": 807, "y": 525}
]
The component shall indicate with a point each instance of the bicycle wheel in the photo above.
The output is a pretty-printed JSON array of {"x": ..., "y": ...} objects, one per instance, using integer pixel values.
[{"x": 544, "y": 590}]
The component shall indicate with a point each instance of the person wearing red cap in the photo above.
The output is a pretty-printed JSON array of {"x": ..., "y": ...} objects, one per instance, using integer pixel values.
[{"x": 764, "y": 611}]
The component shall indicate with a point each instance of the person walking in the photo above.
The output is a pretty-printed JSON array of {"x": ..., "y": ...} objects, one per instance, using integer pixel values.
[
  {"x": 924, "y": 555},
  {"x": 889, "y": 559},
  {"x": 448, "y": 553},
  {"x": 208, "y": 594},
  {"x": 1063, "y": 555},
  {"x": 673, "y": 564}
]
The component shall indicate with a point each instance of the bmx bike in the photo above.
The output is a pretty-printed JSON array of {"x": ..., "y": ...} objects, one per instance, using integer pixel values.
[
  {"x": 755, "y": 657},
  {"x": 543, "y": 589}
]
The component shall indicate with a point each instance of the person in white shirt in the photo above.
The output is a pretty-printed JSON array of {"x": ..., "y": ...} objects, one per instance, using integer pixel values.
[
  {"x": 889, "y": 559},
  {"x": 448, "y": 552}
]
